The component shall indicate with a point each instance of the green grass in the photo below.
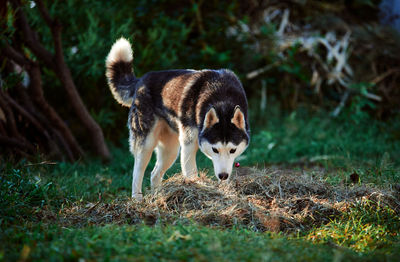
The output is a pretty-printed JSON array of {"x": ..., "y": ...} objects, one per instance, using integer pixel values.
[
  {"x": 302, "y": 136},
  {"x": 179, "y": 242},
  {"x": 298, "y": 140},
  {"x": 368, "y": 226},
  {"x": 347, "y": 144}
]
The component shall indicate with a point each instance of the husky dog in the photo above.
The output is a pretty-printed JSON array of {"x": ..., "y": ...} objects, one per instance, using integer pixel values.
[{"x": 179, "y": 109}]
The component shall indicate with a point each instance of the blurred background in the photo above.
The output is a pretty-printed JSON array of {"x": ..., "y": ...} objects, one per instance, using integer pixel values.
[{"x": 319, "y": 74}]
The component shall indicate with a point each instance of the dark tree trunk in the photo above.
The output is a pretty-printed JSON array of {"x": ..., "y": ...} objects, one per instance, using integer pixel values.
[
  {"x": 36, "y": 99},
  {"x": 56, "y": 63}
]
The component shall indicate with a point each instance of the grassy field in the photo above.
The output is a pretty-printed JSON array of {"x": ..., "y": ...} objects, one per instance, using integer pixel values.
[{"x": 319, "y": 189}]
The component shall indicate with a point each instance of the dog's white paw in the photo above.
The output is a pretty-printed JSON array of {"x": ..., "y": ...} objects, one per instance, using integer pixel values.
[
  {"x": 137, "y": 197},
  {"x": 190, "y": 175},
  {"x": 191, "y": 178}
]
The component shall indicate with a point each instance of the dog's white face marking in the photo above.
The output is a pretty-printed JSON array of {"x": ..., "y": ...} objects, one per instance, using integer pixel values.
[{"x": 222, "y": 155}]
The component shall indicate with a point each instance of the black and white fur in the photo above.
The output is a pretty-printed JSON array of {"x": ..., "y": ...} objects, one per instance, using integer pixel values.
[{"x": 179, "y": 109}]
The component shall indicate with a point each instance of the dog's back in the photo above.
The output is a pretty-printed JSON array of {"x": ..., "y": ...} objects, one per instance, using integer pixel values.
[{"x": 175, "y": 95}]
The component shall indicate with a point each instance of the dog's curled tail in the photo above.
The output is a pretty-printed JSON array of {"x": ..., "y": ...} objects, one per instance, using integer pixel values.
[{"x": 119, "y": 72}]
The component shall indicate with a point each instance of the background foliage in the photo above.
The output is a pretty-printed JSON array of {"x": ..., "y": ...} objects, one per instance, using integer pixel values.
[{"x": 215, "y": 34}]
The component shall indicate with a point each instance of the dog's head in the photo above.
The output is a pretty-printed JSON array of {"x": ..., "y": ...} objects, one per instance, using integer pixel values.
[{"x": 224, "y": 136}]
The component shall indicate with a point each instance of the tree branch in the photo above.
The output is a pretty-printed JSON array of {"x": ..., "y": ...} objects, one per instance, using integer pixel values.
[
  {"x": 57, "y": 63},
  {"x": 2, "y": 129},
  {"x": 44, "y": 13},
  {"x": 12, "y": 142},
  {"x": 11, "y": 125},
  {"x": 65, "y": 136},
  {"x": 342, "y": 103},
  {"x": 14, "y": 55},
  {"x": 29, "y": 35},
  {"x": 55, "y": 27},
  {"x": 384, "y": 75},
  {"x": 37, "y": 95},
  {"x": 27, "y": 115}
]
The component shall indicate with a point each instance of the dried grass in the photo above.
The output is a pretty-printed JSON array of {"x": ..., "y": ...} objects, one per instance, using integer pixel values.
[{"x": 269, "y": 200}]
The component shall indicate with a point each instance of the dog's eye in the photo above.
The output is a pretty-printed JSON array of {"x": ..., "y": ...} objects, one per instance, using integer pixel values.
[
  {"x": 215, "y": 150},
  {"x": 233, "y": 150}
]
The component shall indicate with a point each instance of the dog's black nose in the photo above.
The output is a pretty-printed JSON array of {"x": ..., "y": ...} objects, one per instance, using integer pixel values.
[{"x": 223, "y": 176}]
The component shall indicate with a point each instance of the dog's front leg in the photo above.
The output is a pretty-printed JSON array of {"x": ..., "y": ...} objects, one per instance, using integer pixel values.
[{"x": 188, "y": 159}]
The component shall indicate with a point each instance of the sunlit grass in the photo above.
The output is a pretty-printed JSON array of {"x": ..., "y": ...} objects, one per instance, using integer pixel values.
[{"x": 366, "y": 227}]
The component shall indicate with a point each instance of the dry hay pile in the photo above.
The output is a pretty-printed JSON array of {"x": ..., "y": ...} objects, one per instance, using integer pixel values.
[{"x": 272, "y": 199}]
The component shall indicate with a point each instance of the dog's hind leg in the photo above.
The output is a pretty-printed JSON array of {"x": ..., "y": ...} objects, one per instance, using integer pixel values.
[
  {"x": 166, "y": 156},
  {"x": 142, "y": 150},
  {"x": 167, "y": 150},
  {"x": 142, "y": 156}
]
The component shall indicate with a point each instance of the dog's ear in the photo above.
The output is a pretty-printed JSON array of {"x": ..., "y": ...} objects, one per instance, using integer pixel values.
[
  {"x": 210, "y": 119},
  {"x": 238, "y": 118}
]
